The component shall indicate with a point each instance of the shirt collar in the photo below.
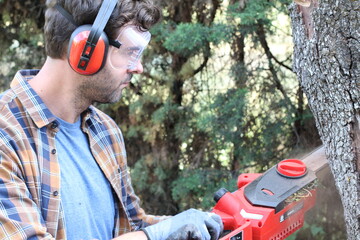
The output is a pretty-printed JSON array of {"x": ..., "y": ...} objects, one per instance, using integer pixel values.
[
  {"x": 32, "y": 102},
  {"x": 91, "y": 114}
]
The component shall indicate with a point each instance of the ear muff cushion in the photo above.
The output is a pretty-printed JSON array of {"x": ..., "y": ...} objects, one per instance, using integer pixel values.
[{"x": 76, "y": 46}]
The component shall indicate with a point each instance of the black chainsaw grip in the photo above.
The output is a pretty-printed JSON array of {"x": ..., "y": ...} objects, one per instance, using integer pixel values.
[{"x": 219, "y": 193}]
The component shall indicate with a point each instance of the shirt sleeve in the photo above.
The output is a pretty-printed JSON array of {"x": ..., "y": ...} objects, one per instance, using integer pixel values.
[{"x": 20, "y": 217}]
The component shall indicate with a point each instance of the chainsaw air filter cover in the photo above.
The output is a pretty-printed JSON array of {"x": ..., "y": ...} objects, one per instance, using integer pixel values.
[{"x": 278, "y": 184}]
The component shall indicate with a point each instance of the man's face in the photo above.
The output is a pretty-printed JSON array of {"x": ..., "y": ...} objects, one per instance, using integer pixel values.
[{"x": 106, "y": 86}]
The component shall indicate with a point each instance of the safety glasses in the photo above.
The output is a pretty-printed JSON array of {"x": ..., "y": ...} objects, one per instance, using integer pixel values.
[{"x": 133, "y": 42}]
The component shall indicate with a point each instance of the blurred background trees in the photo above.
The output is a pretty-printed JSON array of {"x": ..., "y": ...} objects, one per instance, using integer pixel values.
[{"x": 217, "y": 98}]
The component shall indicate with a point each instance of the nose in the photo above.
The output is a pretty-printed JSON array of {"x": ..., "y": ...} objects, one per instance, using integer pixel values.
[{"x": 138, "y": 68}]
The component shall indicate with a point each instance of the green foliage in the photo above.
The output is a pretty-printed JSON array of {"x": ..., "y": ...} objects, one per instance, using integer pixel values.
[
  {"x": 314, "y": 232},
  {"x": 189, "y": 39},
  {"x": 258, "y": 11},
  {"x": 255, "y": 11},
  {"x": 225, "y": 116},
  {"x": 252, "y": 136},
  {"x": 165, "y": 112},
  {"x": 195, "y": 187},
  {"x": 145, "y": 181},
  {"x": 141, "y": 171},
  {"x": 224, "y": 120},
  {"x": 161, "y": 31},
  {"x": 21, "y": 40}
]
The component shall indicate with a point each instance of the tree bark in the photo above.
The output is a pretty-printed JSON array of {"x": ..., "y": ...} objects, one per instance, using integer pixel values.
[{"x": 326, "y": 37}]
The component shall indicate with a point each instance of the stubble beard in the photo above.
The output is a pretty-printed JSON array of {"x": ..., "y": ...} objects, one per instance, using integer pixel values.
[
  {"x": 102, "y": 88},
  {"x": 115, "y": 94}
]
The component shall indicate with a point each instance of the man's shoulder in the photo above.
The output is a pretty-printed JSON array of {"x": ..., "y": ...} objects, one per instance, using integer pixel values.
[
  {"x": 10, "y": 113},
  {"x": 6, "y": 98},
  {"x": 7, "y": 103},
  {"x": 103, "y": 117}
]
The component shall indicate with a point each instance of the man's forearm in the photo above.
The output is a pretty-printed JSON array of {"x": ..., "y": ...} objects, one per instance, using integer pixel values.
[{"x": 139, "y": 235}]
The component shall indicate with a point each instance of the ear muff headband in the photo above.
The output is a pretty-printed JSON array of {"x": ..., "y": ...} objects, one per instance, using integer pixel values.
[
  {"x": 101, "y": 20},
  {"x": 97, "y": 29},
  {"x": 88, "y": 44}
]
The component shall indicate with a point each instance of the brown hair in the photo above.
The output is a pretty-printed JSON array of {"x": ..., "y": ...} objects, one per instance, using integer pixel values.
[{"x": 58, "y": 29}]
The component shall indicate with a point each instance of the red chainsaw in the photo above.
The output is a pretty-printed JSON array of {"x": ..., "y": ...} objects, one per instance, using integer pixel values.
[{"x": 269, "y": 206}]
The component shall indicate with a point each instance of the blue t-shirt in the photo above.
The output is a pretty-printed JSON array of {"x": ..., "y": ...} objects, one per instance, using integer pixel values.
[{"x": 86, "y": 194}]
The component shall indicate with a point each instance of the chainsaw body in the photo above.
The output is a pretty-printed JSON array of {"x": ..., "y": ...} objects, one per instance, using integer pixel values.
[{"x": 268, "y": 206}]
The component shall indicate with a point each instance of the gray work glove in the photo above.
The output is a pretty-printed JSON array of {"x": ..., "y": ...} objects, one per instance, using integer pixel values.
[{"x": 188, "y": 225}]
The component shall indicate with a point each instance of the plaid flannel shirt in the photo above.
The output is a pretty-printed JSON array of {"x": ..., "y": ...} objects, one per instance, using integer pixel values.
[{"x": 30, "y": 200}]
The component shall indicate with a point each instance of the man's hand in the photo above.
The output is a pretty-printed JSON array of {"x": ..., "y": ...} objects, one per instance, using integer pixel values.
[{"x": 191, "y": 224}]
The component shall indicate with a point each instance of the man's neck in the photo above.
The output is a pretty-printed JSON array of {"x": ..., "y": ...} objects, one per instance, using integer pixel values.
[{"x": 56, "y": 84}]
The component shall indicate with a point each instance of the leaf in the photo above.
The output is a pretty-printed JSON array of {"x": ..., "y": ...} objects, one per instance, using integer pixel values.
[{"x": 316, "y": 230}]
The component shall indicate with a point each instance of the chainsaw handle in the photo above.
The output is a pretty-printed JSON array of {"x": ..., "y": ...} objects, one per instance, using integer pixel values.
[{"x": 241, "y": 233}]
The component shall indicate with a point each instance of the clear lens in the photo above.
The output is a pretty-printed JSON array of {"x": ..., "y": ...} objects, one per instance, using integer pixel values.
[{"x": 133, "y": 42}]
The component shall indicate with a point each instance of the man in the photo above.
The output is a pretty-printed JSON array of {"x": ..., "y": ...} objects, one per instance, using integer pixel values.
[{"x": 63, "y": 172}]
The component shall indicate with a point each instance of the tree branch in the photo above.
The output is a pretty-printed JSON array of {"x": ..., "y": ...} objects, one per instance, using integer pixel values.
[
  {"x": 261, "y": 33},
  {"x": 262, "y": 37},
  {"x": 202, "y": 66},
  {"x": 280, "y": 63}
]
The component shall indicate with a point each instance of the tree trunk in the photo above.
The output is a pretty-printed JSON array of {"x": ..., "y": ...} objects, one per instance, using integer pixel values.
[{"x": 327, "y": 62}]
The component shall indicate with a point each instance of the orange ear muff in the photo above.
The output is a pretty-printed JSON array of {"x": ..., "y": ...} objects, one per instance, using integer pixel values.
[
  {"x": 76, "y": 50},
  {"x": 89, "y": 44}
]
